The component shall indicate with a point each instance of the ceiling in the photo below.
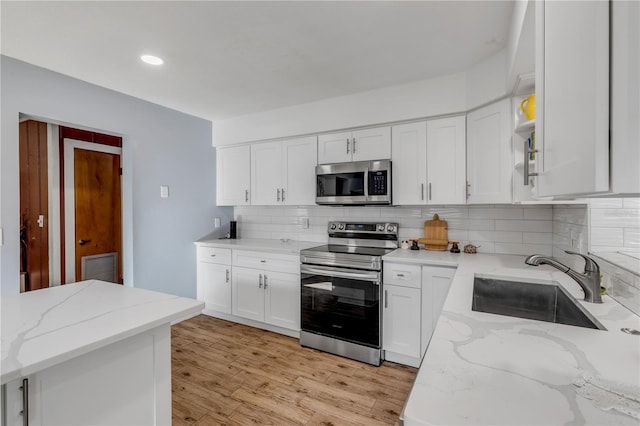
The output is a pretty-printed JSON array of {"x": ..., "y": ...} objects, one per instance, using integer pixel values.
[{"x": 224, "y": 59}]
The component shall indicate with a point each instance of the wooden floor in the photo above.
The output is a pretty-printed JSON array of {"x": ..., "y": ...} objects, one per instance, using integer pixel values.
[{"x": 227, "y": 373}]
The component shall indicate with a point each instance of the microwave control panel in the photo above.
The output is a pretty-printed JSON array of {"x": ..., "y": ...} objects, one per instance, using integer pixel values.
[{"x": 378, "y": 182}]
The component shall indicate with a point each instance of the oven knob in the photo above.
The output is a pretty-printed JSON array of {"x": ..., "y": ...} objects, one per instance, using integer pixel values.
[
  {"x": 333, "y": 226},
  {"x": 391, "y": 228},
  {"x": 380, "y": 227},
  {"x": 341, "y": 226}
]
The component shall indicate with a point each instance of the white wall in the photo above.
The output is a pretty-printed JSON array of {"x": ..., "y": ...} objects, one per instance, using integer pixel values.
[
  {"x": 437, "y": 96},
  {"x": 161, "y": 147}
]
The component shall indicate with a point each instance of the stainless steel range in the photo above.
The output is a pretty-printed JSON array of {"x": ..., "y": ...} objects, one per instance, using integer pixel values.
[{"x": 342, "y": 290}]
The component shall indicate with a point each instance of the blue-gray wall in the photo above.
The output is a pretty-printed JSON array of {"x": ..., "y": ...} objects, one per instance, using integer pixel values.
[{"x": 161, "y": 147}]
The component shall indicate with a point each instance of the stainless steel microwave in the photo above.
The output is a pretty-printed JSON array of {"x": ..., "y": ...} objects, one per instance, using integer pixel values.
[{"x": 356, "y": 183}]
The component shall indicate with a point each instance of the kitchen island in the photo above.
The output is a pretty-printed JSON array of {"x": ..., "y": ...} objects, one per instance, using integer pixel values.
[
  {"x": 483, "y": 368},
  {"x": 91, "y": 353}
]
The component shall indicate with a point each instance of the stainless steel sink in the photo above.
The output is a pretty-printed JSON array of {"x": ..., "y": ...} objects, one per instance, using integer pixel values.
[{"x": 542, "y": 302}]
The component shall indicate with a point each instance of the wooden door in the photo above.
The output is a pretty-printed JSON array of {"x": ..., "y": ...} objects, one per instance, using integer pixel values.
[
  {"x": 98, "y": 217},
  {"x": 34, "y": 205}
]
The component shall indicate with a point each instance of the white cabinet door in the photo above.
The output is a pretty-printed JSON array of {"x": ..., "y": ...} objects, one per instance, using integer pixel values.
[
  {"x": 248, "y": 293},
  {"x": 489, "y": 157},
  {"x": 438, "y": 279},
  {"x": 266, "y": 173},
  {"x": 409, "y": 165},
  {"x": 282, "y": 299},
  {"x": 214, "y": 286},
  {"x": 572, "y": 97},
  {"x": 334, "y": 148},
  {"x": 233, "y": 174},
  {"x": 372, "y": 144},
  {"x": 401, "y": 320},
  {"x": 125, "y": 383},
  {"x": 446, "y": 166},
  {"x": 625, "y": 97},
  {"x": 299, "y": 161}
]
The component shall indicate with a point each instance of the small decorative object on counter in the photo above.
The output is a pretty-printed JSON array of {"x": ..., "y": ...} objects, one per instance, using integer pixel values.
[
  {"x": 414, "y": 245},
  {"x": 470, "y": 249},
  {"x": 233, "y": 229},
  {"x": 454, "y": 248},
  {"x": 404, "y": 244}
]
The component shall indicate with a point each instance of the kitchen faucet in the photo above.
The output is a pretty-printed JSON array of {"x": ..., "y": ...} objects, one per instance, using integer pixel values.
[{"x": 589, "y": 280}]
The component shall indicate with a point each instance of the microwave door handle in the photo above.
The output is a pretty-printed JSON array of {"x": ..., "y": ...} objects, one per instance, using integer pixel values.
[{"x": 366, "y": 183}]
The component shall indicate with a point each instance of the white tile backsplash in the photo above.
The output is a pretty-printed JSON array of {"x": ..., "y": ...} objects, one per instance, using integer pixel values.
[
  {"x": 614, "y": 224},
  {"x": 570, "y": 232},
  {"x": 467, "y": 224}
]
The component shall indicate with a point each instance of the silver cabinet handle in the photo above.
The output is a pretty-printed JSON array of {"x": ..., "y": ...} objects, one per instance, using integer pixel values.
[
  {"x": 400, "y": 275},
  {"x": 283, "y": 195},
  {"x": 265, "y": 282},
  {"x": 246, "y": 195},
  {"x": 527, "y": 153},
  {"x": 386, "y": 299},
  {"x": 466, "y": 189},
  {"x": 227, "y": 276},
  {"x": 422, "y": 191},
  {"x": 278, "y": 196},
  {"x": 260, "y": 281},
  {"x": 263, "y": 261},
  {"x": 347, "y": 145},
  {"x": 429, "y": 191},
  {"x": 213, "y": 255},
  {"x": 354, "y": 145},
  {"x": 83, "y": 242},
  {"x": 25, "y": 402}
]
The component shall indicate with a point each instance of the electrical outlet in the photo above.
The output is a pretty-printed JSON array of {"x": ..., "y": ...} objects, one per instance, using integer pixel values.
[
  {"x": 304, "y": 222},
  {"x": 216, "y": 222},
  {"x": 164, "y": 191}
]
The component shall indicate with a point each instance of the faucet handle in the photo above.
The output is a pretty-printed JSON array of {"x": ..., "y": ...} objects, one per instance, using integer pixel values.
[{"x": 590, "y": 265}]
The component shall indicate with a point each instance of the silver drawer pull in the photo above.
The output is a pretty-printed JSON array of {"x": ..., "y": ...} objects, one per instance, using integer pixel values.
[
  {"x": 25, "y": 402},
  {"x": 265, "y": 282},
  {"x": 213, "y": 255},
  {"x": 263, "y": 261},
  {"x": 260, "y": 281},
  {"x": 401, "y": 275},
  {"x": 386, "y": 299},
  {"x": 227, "y": 276}
]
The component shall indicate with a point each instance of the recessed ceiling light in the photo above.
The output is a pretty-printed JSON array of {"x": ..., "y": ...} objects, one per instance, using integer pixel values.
[{"x": 153, "y": 60}]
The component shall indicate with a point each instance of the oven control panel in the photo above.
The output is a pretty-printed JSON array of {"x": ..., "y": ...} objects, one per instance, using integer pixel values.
[{"x": 363, "y": 228}]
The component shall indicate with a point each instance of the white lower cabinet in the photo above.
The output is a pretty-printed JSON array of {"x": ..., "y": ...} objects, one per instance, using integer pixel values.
[
  {"x": 267, "y": 296},
  {"x": 124, "y": 383},
  {"x": 413, "y": 300},
  {"x": 262, "y": 287},
  {"x": 214, "y": 278}
]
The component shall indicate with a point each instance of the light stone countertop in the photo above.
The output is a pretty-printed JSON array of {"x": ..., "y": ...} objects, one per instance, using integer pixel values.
[
  {"x": 490, "y": 369},
  {"x": 45, "y": 327},
  {"x": 271, "y": 246}
]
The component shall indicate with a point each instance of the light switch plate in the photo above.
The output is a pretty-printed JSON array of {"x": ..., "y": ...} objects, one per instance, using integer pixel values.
[
  {"x": 164, "y": 191},
  {"x": 216, "y": 222}
]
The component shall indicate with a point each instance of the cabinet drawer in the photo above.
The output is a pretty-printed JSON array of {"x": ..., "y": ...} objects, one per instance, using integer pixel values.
[
  {"x": 214, "y": 255},
  {"x": 400, "y": 274},
  {"x": 285, "y": 263}
]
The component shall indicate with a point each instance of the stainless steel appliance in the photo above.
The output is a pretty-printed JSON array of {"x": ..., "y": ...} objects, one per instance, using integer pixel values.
[
  {"x": 342, "y": 290},
  {"x": 356, "y": 183}
]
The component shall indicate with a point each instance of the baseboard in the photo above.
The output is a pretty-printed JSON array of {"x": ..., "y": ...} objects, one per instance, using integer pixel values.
[{"x": 251, "y": 323}]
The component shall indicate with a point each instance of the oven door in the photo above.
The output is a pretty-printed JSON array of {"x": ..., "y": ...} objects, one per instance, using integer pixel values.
[{"x": 342, "y": 303}]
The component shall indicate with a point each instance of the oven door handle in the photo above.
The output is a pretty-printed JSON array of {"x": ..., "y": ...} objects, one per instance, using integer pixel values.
[{"x": 371, "y": 276}]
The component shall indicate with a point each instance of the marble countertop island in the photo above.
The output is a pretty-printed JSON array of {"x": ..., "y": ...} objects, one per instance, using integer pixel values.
[
  {"x": 483, "y": 368},
  {"x": 46, "y": 327}
]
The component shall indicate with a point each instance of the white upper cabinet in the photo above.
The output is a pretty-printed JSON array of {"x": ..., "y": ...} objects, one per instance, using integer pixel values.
[
  {"x": 489, "y": 156},
  {"x": 429, "y": 162},
  {"x": 283, "y": 172},
  {"x": 409, "y": 163},
  {"x": 358, "y": 145},
  {"x": 572, "y": 97},
  {"x": 625, "y": 97},
  {"x": 299, "y": 160},
  {"x": 446, "y": 174},
  {"x": 266, "y": 173},
  {"x": 233, "y": 175}
]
